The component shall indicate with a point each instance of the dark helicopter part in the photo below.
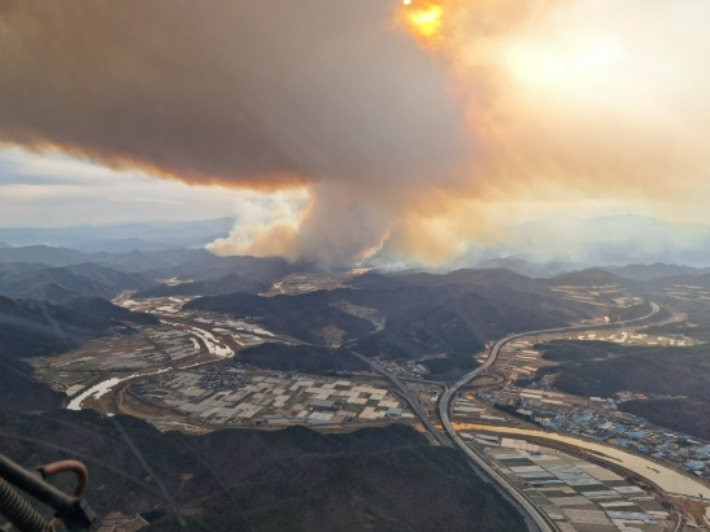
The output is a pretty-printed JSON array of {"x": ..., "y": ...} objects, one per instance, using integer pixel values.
[
  {"x": 18, "y": 511},
  {"x": 73, "y": 510}
]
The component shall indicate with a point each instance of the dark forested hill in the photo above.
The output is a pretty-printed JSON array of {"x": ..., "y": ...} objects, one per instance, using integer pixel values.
[
  {"x": 486, "y": 277},
  {"x": 590, "y": 277},
  {"x": 428, "y": 316},
  {"x": 649, "y": 370},
  {"x": 98, "y": 307},
  {"x": 308, "y": 317},
  {"x": 691, "y": 416},
  {"x": 307, "y": 358},
  {"x": 578, "y": 350},
  {"x": 32, "y": 328},
  {"x": 19, "y": 391},
  {"x": 658, "y": 270},
  {"x": 222, "y": 286},
  {"x": 28, "y": 281},
  {"x": 450, "y": 322},
  {"x": 290, "y": 480},
  {"x": 207, "y": 267}
]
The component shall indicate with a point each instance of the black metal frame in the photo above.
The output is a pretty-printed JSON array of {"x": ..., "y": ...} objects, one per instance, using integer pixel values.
[{"x": 73, "y": 511}]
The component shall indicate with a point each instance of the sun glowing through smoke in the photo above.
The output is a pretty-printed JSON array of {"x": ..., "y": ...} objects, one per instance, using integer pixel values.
[
  {"x": 566, "y": 99},
  {"x": 424, "y": 20}
]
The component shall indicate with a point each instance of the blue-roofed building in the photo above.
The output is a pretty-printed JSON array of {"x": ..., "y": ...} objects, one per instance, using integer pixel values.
[{"x": 694, "y": 465}]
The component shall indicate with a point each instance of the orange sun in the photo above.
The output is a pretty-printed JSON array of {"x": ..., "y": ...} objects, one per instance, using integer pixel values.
[{"x": 423, "y": 22}]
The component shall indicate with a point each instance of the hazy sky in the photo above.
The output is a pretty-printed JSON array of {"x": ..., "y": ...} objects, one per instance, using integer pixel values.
[
  {"x": 335, "y": 129},
  {"x": 56, "y": 190}
]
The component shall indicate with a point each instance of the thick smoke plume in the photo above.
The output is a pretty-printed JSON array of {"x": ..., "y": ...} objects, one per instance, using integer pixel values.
[{"x": 369, "y": 124}]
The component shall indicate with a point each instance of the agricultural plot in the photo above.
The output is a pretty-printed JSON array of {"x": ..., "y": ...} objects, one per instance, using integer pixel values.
[
  {"x": 578, "y": 495},
  {"x": 227, "y": 397}
]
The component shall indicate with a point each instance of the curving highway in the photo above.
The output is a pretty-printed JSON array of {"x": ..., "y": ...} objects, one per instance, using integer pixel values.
[
  {"x": 537, "y": 520},
  {"x": 411, "y": 399}
]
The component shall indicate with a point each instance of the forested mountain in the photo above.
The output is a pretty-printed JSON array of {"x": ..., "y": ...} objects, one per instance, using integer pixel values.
[
  {"x": 30, "y": 281},
  {"x": 422, "y": 313},
  {"x": 222, "y": 286},
  {"x": 33, "y": 328},
  {"x": 243, "y": 480}
]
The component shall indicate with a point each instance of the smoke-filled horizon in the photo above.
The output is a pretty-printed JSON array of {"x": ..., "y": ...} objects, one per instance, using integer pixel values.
[{"x": 372, "y": 126}]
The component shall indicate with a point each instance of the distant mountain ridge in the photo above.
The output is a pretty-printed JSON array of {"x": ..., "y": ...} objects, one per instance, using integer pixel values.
[
  {"x": 133, "y": 261},
  {"x": 55, "y": 285},
  {"x": 121, "y": 245},
  {"x": 50, "y": 256},
  {"x": 611, "y": 240},
  {"x": 588, "y": 277},
  {"x": 541, "y": 248},
  {"x": 115, "y": 237},
  {"x": 475, "y": 277},
  {"x": 195, "y": 264},
  {"x": 657, "y": 270},
  {"x": 538, "y": 270}
]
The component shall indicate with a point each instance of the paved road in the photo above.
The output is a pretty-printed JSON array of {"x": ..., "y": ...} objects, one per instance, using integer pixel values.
[
  {"x": 537, "y": 520},
  {"x": 412, "y": 399}
]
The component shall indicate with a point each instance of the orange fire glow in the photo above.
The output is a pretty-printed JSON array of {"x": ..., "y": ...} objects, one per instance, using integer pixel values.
[{"x": 424, "y": 20}]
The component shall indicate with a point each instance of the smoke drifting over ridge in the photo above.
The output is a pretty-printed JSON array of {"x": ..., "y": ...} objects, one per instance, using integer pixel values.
[
  {"x": 267, "y": 95},
  {"x": 363, "y": 137}
]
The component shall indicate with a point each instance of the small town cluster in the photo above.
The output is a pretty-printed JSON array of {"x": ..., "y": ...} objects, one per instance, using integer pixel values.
[{"x": 603, "y": 422}]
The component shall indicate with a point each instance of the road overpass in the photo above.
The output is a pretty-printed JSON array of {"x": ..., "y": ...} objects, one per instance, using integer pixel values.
[{"x": 412, "y": 399}]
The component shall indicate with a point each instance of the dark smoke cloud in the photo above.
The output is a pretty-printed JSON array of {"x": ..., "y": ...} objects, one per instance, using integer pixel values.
[{"x": 241, "y": 92}]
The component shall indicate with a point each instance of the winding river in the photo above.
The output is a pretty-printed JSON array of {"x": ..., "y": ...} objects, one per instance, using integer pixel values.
[
  {"x": 214, "y": 346},
  {"x": 97, "y": 391}
]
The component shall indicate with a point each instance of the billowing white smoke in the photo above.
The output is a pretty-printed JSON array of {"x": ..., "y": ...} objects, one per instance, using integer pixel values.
[{"x": 330, "y": 225}]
